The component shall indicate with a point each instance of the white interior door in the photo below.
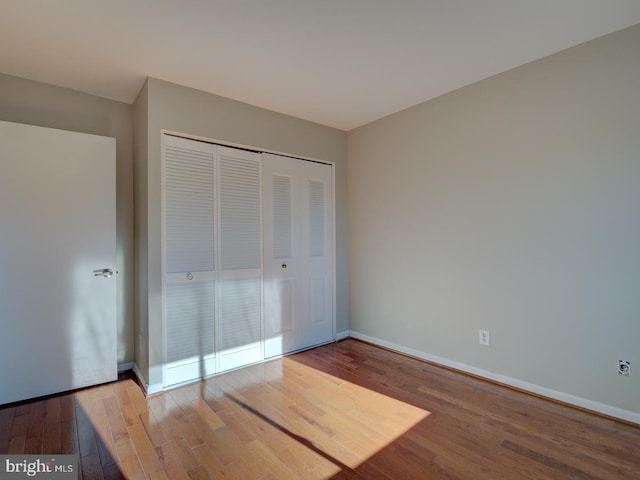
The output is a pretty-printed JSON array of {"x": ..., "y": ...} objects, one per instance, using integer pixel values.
[
  {"x": 298, "y": 258},
  {"x": 57, "y": 261}
]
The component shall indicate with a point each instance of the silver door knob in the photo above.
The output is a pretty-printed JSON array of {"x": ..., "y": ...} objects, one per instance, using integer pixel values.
[{"x": 103, "y": 272}]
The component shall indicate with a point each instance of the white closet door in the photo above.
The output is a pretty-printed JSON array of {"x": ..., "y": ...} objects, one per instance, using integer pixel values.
[
  {"x": 189, "y": 252},
  {"x": 298, "y": 246},
  {"x": 214, "y": 199},
  {"x": 240, "y": 276}
]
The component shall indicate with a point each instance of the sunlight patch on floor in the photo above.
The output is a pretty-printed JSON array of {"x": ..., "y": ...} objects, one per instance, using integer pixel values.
[
  {"x": 335, "y": 420},
  {"x": 280, "y": 417}
]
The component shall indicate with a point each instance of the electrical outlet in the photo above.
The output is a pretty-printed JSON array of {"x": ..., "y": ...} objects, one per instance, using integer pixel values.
[
  {"x": 624, "y": 367},
  {"x": 485, "y": 338}
]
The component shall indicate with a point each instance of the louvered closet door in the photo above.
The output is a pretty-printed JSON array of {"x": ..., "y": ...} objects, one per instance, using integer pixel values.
[
  {"x": 298, "y": 246},
  {"x": 240, "y": 273},
  {"x": 189, "y": 259}
]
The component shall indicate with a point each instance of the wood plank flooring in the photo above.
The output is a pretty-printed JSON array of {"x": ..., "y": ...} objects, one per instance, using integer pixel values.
[{"x": 342, "y": 411}]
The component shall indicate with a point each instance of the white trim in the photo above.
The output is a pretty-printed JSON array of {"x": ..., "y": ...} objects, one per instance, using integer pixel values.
[
  {"x": 241, "y": 146},
  {"x": 148, "y": 389},
  {"x": 123, "y": 367},
  {"x": 163, "y": 275},
  {"x": 343, "y": 335},
  {"x": 334, "y": 254},
  {"x": 587, "y": 404},
  {"x": 155, "y": 388}
]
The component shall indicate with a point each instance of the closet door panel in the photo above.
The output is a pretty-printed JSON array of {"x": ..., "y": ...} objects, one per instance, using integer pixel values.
[
  {"x": 189, "y": 247},
  {"x": 298, "y": 261},
  {"x": 320, "y": 260},
  {"x": 240, "y": 312},
  {"x": 240, "y": 288},
  {"x": 190, "y": 346}
]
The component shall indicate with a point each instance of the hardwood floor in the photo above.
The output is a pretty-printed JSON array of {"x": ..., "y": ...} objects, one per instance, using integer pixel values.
[{"x": 347, "y": 410}]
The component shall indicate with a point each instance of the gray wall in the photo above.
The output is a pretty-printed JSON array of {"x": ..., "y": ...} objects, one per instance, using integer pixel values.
[
  {"x": 34, "y": 103},
  {"x": 140, "y": 136},
  {"x": 181, "y": 109},
  {"x": 511, "y": 205}
]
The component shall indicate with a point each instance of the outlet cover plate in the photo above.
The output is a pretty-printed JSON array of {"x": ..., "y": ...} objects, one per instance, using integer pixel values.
[{"x": 485, "y": 338}]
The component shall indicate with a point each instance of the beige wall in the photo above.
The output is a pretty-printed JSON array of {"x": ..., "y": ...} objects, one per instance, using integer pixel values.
[
  {"x": 181, "y": 109},
  {"x": 511, "y": 205},
  {"x": 34, "y": 103}
]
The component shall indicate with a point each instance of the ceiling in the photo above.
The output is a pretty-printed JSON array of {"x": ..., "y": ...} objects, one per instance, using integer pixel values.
[{"x": 341, "y": 63}]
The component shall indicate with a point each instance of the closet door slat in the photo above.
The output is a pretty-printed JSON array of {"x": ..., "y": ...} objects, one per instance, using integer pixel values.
[
  {"x": 189, "y": 314},
  {"x": 189, "y": 210},
  {"x": 240, "y": 220}
]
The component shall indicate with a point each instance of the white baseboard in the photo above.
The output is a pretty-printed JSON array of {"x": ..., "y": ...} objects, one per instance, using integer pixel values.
[
  {"x": 584, "y": 403},
  {"x": 155, "y": 388},
  {"x": 342, "y": 335},
  {"x": 148, "y": 389}
]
